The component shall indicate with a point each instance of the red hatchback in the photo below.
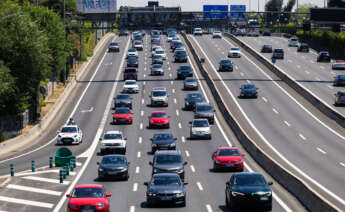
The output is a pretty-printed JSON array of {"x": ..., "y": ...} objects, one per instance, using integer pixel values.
[
  {"x": 159, "y": 119},
  {"x": 122, "y": 115},
  {"x": 88, "y": 197},
  {"x": 227, "y": 157}
]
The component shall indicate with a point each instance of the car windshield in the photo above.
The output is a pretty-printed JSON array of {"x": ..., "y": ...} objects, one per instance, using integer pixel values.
[
  {"x": 137, "y": 43},
  {"x": 225, "y": 62},
  {"x": 157, "y": 66},
  {"x": 251, "y": 180},
  {"x": 191, "y": 80},
  {"x": 203, "y": 108},
  {"x": 194, "y": 96},
  {"x": 114, "y": 44},
  {"x": 88, "y": 192},
  {"x": 130, "y": 83},
  {"x": 163, "y": 136},
  {"x": 132, "y": 50},
  {"x": 122, "y": 97},
  {"x": 228, "y": 152},
  {"x": 235, "y": 49},
  {"x": 113, "y": 160},
  {"x": 160, "y": 52},
  {"x": 181, "y": 53},
  {"x": 249, "y": 86},
  {"x": 110, "y": 136},
  {"x": 122, "y": 111},
  {"x": 168, "y": 159},
  {"x": 185, "y": 68},
  {"x": 157, "y": 57},
  {"x": 267, "y": 46},
  {"x": 166, "y": 181},
  {"x": 132, "y": 59},
  {"x": 69, "y": 130},
  {"x": 294, "y": 39},
  {"x": 158, "y": 115},
  {"x": 200, "y": 123},
  {"x": 341, "y": 77},
  {"x": 159, "y": 93},
  {"x": 279, "y": 50}
]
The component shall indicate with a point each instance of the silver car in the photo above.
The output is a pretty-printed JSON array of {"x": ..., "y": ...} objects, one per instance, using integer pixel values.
[
  {"x": 190, "y": 83},
  {"x": 157, "y": 69},
  {"x": 159, "y": 97},
  {"x": 200, "y": 128}
]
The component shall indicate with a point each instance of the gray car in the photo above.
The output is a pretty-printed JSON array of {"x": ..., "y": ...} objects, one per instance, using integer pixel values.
[
  {"x": 159, "y": 97},
  {"x": 339, "y": 98},
  {"x": 157, "y": 69},
  {"x": 204, "y": 110},
  {"x": 113, "y": 167},
  {"x": 190, "y": 83}
]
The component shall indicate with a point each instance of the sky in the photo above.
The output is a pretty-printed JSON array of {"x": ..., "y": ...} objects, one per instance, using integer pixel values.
[{"x": 196, "y": 5}]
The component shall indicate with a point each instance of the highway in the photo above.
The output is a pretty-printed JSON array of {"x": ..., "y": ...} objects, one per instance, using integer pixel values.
[
  {"x": 205, "y": 191},
  {"x": 317, "y": 77},
  {"x": 288, "y": 129}
]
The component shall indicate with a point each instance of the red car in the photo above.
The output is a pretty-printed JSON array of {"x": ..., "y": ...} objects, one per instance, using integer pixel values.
[
  {"x": 159, "y": 119},
  {"x": 88, "y": 197},
  {"x": 228, "y": 157},
  {"x": 122, "y": 115}
]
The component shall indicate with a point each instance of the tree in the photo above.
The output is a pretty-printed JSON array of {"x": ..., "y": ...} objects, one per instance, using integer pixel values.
[
  {"x": 273, "y": 6},
  {"x": 285, "y": 18},
  {"x": 303, "y": 9}
]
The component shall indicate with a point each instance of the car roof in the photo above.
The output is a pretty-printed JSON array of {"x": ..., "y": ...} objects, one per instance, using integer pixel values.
[
  {"x": 89, "y": 186},
  {"x": 247, "y": 174},
  {"x": 158, "y": 111},
  {"x": 203, "y": 103},
  {"x": 247, "y": 85},
  {"x": 167, "y": 152},
  {"x": 165, "y": 175},
  {"x": 113, "y": 132},
  {"x": 159, "y": 89},
  {"x": 200, "y": 120},
  {"x": 221, "y": 148},
  {"x": 70, "y": 125}
]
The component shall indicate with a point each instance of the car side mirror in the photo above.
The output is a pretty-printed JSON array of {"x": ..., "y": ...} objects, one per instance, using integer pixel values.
[
  {"x": 185, "y": 163},
  {"x": 151, "y": 163},
  {"x": 68, "y": 195},
  {"x": 108, "y": 195},
  {"x": 97, "y": 163},
  {"x": 100, "y": 139},
  {"x": 190, "y": 122},
  {"x": 270, "y": 183},
  {"x": 175, "y": 139},
  {"x": 146, "y": 183},
  {"x": 128, "y": 163},
  {"x": 151, "y": 139}
]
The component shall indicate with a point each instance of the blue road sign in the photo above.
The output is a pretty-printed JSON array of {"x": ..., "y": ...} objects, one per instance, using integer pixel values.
[
  {"x": 237, "y": 9},
  {"x": 216, "y": 11}
]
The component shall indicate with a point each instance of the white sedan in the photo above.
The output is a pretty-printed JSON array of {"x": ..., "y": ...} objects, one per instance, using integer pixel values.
[
  {"x": 130, "y": 86},
  {"x": 132, "y": 52},
  {"x": 113, "y": 142},
  {"x": 69, "y": 134},
  {"x": 200, "y": 128},
  {"x": 160, "y": 52},
  {"x": 338, "y": 65},
  {"x": 216, "y": 34},
  {"x": 234, "y": 52}
]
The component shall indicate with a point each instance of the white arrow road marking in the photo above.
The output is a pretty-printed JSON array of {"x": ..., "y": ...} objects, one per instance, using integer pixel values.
[{"x": 87, "y": 111}]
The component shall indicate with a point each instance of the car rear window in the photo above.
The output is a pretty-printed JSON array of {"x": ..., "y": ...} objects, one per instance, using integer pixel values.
[{"x": 88, "y": 192}]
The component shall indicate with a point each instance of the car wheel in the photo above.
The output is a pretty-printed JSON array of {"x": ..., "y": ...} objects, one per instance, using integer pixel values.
[
  {"x": 184, "y": 203},
  {"x": 268, "y": 208},
  {"x": 227, "y": 201},
  {"x": 210, "y": 137}
]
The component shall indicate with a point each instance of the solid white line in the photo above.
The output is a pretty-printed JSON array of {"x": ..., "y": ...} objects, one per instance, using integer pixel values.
[
  {"x": 135, "y": 187},
  {"x": 140, "y": 140},
  {"x": 342, "y": 164},
  {"x": 330, "y": 87},
  {"x": 177, "y": 113},
  {"x": 209, "y": 208},
  {"x": 137, "y": 170},
  {"x": 302, "y": 136},
  {"x": 263, "y": 98},
  {"x": 141, "y": 126},
  {"x": 175, "y": 101},
  {"x": 287, "y": 123},
  {"x": 183, "y": 139},
  {"x": 172, "y": 82},
  {"x": 47, "y": 180},
  {"x": 26, "y": 202},
  {"x": 33, "y": 189},
  {"x": 307, "y": 72},
  {"x": 275, "y": 111},
  {"x": 321, "y": 150},
  {"x": 139, "y": 154},
  {"x": 199, "y": 186},
  {"x": 187, "y": 153},
  {"x": 132, "y": 209},
  {"x": 192, "y": 168},
  {"x": 95, "y": 141},
  {"x": 179, "y": 125}
]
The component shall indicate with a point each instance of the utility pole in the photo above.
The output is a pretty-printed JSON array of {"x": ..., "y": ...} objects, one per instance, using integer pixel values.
[
  {"x": 64, "y": 43},
  {"x": 258, "y": 6}
]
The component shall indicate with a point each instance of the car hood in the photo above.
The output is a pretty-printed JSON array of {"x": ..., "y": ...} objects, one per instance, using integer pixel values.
[
  {"x": 159, "y": 119},
  {"x": 250, "y": 189},
  {"x": 162, "y": 142},
  {"x": 168, "y": 167},
  {"x": 201, "y": 129},
  {"x": 165, "y": 189},
  {"x": 249, "y": 90},
  {"x": 68, "y": 134},
  {"x": 130, "y": 86},
  {"x": 229, "y": 158},
  {"x": 113, "y": 166},
  {"x": 89, "y": 201}
]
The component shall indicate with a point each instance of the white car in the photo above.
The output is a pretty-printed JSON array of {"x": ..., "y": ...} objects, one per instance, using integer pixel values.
[
  {"x": 197, "y": 31},
  {"x": 170, "y": 38},
  {"x": 69, "y": 134},
  {"x": 132, "y": 52},
  {"x": 180, "y": 49},
  {"x": 154, "y": 48},
  {"x": 338, "y": 65},
  {"x": 160, "y": 52},
  {"x": 234, "y": 52},
  {"x": 159, "y": 97},
  {"x": 216, "y": 34},
  {"x": 138, "y": 45},
  {"x": 200, "y": 128},
  {"x": 293, "y": 42},
  {"x": 113, "y": 142},
  {"x": 130, "y": 86}
]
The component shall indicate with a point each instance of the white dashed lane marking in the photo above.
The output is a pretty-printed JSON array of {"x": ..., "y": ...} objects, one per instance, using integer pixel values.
[
  {"x": 209, "y": 208},
  {"x": 302, "y": 136},
  {"x": 199, "y": 186},
  {"x": 187, "y": 153},
  {"x": 140, "y": 140},
  {"x": 287, "y": 123},
  {"x": 177, "y": 113},
  {"x": 183, "y": 139},
  {"x": 321, "y": 150},
  {"x": 192, "y": 168},
  {"x": 275, "y": 111},
  {"x": 179, "y": 125},
  {"x": 342, "y": 164},
  {"x": 142, "y": 113},
  {"x": 137, "y": 170},
  {"x": 132, "y": 209},
  {"x": 263, "y": 98},
  {"x": 135, "y": 187},
  {"x": 138, "y": 154},
  {"x": 175, "y": 101},
  {"x": 142, "y": 101},
  {"x": 141, "y": 126}
]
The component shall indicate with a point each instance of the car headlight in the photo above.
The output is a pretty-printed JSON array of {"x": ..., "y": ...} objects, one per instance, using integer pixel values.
[
  {"x": 151, "y": 194},
  {"x": 101, "y": 205},
  {"x": 154, "y": 145},
  {"x": 75, "y": 136},
  {"x": 172, "y": 145},
  {"x": 166, "y": 121},
  {"x": 100, "y": 169},
  {"x": 234, "y": 193},
  {"x": 263, "y": 193},
  {"x": 155, "y": 170},
  {"x": 181, "y": 194}
]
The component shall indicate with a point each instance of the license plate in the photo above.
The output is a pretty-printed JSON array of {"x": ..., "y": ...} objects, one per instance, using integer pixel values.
[
  {"x": 229, "y": 165},
  {"x": 87, "y": 210},
  {"x": 263, "y": 198},
  {"x": 165, "y": 198}
]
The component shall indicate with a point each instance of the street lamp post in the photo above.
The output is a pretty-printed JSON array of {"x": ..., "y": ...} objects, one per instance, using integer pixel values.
[{"x": 64, "y": 43}]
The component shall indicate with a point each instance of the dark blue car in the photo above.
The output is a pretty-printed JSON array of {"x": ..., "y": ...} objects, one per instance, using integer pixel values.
[
  {"x": 248, "y": 91},
  {"x": 339, "y": 80},
  {"x": 191, "y": 99},
  {"x": 184, "y": 71}
]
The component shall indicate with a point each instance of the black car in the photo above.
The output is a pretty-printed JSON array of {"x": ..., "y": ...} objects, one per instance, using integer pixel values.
[
  {"x": 132, "y": 61},
  {"x": 114, "y": 47},
  {"x": 278, "y": 53},
  {"x": 323, "y": 56},
  {"x": 204, "y": 110},
  {"x": 123, "y": 100},
  {"x": 165, "y": 188},
  {"x": 303, "y": 47},
  {"x": 190, "y": 83},
  {"x": 249, "y": 91},
  {"x": 191, "y": 99},
  {"x": 180, "y": 56},
  {"x": 163, "y": 141},
  {"x": 266, "y": 48},
  {"x": 130, "y": 73},
  {"x": 247, "y": 189},
  {"x": 339, "y": 80},
  {"x": 225, "y": 65},
  {"x": 184, "y": 71},
  {"x": 123, "y": 32},
  {"x": 157, "y": 59},
  {"x": 168, "y": 161},
  {"x": 113, "y": 167},
  {"x": 266, "y": 32}
]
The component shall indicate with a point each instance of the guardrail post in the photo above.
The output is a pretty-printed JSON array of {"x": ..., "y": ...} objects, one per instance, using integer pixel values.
[
  {"x": 74, "y": 163},
  {"x": 33, "y": 166},
  {"x": 61, "y": 175},
  {"x": 12, "y": 169},
  {"x": 71, "y": 166},
  {"x": 66, "y": 170},
  {"x": 50, "y": 162}
]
